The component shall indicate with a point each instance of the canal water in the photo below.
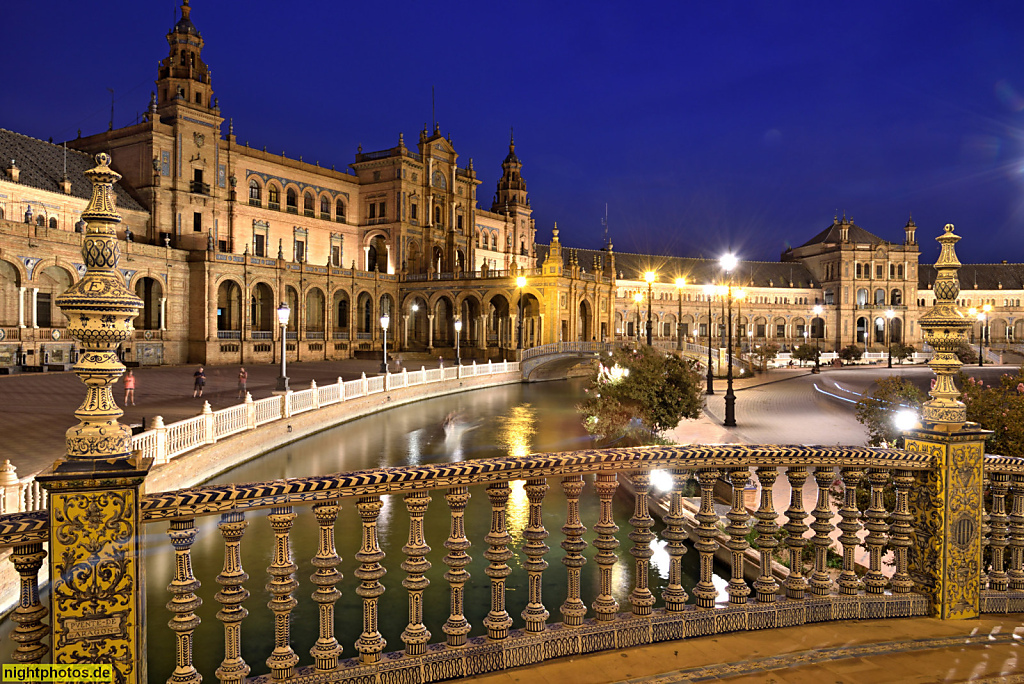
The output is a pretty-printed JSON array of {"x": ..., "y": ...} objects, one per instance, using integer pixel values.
[{"x": 512, "y": 420}]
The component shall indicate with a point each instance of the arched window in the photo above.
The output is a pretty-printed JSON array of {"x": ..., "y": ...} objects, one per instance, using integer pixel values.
[
  {"x": 274, "y": 196},
  {"x": 307, "y": 204},
  {"x": 896, "y": 298},
  {"x": 339, "y": 211},
  {"x": 53, "y": 222},
  {"x": 292, "y": 200},
  {"x": 325, "y": 207},
  {"x": 880, "y": 296},
  {"x": 437, "y": 216},
  {"x": 40, "y": 220},
  {"x": 255, "y": 194},
  {"x": 494, "y": 241}
]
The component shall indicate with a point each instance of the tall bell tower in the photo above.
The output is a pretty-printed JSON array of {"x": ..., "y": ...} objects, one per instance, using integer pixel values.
[
  {"x": 184, "y": 78},
  {"x": 512, "y": 200}
]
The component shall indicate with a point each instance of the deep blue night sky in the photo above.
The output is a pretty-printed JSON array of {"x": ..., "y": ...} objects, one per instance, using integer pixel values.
[{"x": 703, "y": 126}]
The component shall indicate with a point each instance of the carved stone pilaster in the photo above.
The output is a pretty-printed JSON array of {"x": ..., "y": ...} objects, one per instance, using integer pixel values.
[
  {"x": 705, "y": 592},
  {"x": 534, "y": 548},
  {"x": 605, "y": 606},
  {"x": 641, "y": 597},
  {"x": 766, "y": 586},
  {"x": 326, "y": 650},
  {"x": 457, "y": 626},
  {"x": 874, "y": 579},
  {"x": 573, "y": 609},
  {"x": 97, "y": 584},
  {"x": 29, "y": 615},
  {"x": 282, "y": 585},
  {"x": 233, "y": 669},
  {"x": 416, "y": 635},
  {"x": 946, "y": 502},
  {"x": 184, "y": 602},
  {"x": 370, "y": 643},
  {"x": 795, "y": 583},
  {"x": 674, "y": 595}
]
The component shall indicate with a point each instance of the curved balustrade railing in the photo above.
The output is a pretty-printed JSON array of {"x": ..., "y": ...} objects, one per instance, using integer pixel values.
[
  {"x": 804, "y": 591},
  {"x": 164, "y": 442}
]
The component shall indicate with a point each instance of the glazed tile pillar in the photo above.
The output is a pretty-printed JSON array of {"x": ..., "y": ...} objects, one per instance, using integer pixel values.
[
  {"x": 95, "y": 554},
  {"x": 945, "y": 559}
]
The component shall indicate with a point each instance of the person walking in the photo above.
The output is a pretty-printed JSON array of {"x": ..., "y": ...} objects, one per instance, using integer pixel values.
[
  {"x": 200, "y": 381},
  {"x": 243, "y": 377},
  {"x": 129, "y": 388}
]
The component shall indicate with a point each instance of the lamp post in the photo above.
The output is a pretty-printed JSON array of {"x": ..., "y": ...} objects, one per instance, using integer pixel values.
[
  {"x": 888, "y": 333},
  {"x": 520, "y": 283},
  {"x": 458, "y": 334},
  {"x": 638, "y": 298},
  {"x": 649, "y": 277},
  {"x": 680, "y": 282},
  {"x": 283, "y": 314},
  {"x": 385, "y": 321},
  {"x": 728, "y": 264},
  {"x": 981, "y": 316},
  {"x": 817, "y": 343},
  {"x": 709, "y": 292}
]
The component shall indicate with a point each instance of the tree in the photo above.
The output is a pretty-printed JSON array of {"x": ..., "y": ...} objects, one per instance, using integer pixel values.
[
  {"x": 901, "y": 351},
  {"x": 805, "y": 352},
  {"x": 850, "y": 353},
  {"x": 641, "y": 393},
  {"x": 999, "y": 408},
  {"x": 966, "y": 353},
  {"x": 763, "y": 353},
  {"x": 877, "y": 410}
]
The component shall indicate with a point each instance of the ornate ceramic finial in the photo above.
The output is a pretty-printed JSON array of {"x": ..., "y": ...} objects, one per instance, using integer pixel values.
[
  {"x": 100, "y": 309},
  {"x": 945, "y": 329},
  {"x": 185, "y": 9},
  {"x": 401, "y": 139},
  {"x": 231, "y": 126},
  {"x": 511, "y": 138},
  {"x": 554, "y": 233}
]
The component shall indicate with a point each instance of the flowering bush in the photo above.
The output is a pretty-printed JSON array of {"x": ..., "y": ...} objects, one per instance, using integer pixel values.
[
  {"x": 641, "y": 393},
  {"x": 1000, "y": 408}
]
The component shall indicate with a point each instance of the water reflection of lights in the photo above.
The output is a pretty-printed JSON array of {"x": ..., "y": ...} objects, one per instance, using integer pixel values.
[
  {"x": 384, "y": 521},
  {"x": 660, "y": 561},
  {"x": 517, "y": 430},
  {"x": 414, "y": 446},
  {"x": 517, "y": 515}
]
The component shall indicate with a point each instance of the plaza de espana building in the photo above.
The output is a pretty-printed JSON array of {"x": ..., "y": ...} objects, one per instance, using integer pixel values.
[{"x": 217, "y": 234}]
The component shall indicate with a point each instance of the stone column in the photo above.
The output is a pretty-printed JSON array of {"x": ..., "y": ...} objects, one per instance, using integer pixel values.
[
  {"x": 482, "y": 332},
  {"x": 35, "y": 307},
  {"x": 99, "y": 482},
  {"x": 21, "y": 307},
  {"x": 405, "y": 331},
  {"x": 946, "y": 561},
  {"x": 430, "y": 333},
  {"x": 163, "y": 313}
]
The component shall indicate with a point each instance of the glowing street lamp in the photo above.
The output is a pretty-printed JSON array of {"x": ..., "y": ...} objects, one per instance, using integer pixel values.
[
  {"x": 649, "y": 277},
  {"x": 817, "y": 343},
  {"x": 385, "y": 321},
  {"x": 981, "y": 316},
  {"x": 888, "y": 333},
  {"x": 709, "y": 292},
  {"x": 680, "y": 282},
  {"x": 520, "y": 283},
  {"x": 458, "y": 334},
  {"x": 638, "y": 298},
  {"x": 284, "y": 312},
  {"x": 728, "y": 263}
]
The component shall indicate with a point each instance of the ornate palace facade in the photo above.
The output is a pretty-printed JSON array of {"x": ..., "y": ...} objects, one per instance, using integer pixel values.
[{"x": 218, "y": 233}]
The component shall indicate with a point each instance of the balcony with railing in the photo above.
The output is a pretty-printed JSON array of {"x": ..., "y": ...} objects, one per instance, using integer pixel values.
[{"x": 199, "y": 187}]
